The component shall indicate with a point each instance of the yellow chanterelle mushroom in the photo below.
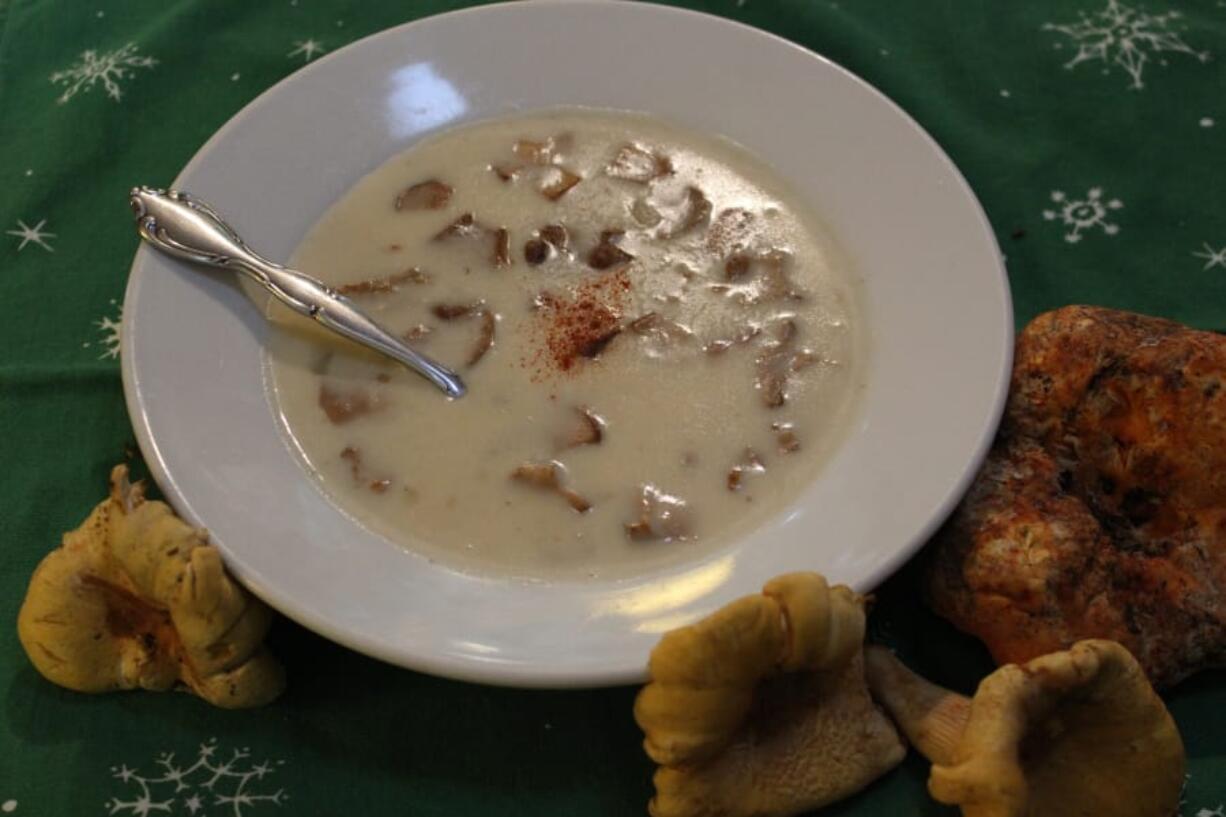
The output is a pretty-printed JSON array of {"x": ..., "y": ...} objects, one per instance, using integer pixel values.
[
  {"x": 135, "y": 598},
  {"x": 1068, "y": 734},
  {"x": 761, "y": 709}
]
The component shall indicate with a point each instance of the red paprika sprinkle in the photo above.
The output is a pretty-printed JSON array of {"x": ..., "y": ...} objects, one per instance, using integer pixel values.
[{"x": 580, "y": 326}]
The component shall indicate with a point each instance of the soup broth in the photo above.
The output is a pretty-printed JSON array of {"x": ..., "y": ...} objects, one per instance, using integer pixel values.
[{"x": 661, "y": 344}]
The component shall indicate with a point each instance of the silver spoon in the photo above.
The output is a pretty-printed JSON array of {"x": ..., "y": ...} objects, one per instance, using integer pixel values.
[{"x": 179, "y": 225}]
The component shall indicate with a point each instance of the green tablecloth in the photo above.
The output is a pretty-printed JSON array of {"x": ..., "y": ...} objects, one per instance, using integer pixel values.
[{"x": 1094, "y": 132}]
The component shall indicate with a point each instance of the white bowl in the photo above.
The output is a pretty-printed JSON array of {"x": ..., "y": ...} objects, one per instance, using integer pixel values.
[{"x": 936, "y": 301}]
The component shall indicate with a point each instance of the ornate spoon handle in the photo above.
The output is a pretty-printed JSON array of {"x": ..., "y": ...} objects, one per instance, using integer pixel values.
[{"x": 179, "y": 225}]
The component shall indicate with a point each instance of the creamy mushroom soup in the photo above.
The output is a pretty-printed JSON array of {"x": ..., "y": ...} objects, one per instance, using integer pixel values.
[{"x": 661, "y": 345}]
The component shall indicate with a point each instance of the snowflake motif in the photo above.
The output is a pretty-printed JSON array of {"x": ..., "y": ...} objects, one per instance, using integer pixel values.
[
  {"x": 112, "y": 334},
  {"x": 109, "y": 68},
  {"x": 1083, "y": 214},
  {"x": 1220, "y": 811},
  {"x": 307, "y": 49},
  {"x": 1124, "y": 36},
  {"x": 226, "y": 782},
  {"x": 29, "y": 234},
  {"x": 1213, "y": 258},
  {"x": 8, "y": 806}
]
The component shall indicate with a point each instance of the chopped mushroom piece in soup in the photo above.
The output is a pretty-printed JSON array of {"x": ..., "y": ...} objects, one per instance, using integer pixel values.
[
  {"x": 549, "y": 476},
  {"x": 429, "y": 195}
]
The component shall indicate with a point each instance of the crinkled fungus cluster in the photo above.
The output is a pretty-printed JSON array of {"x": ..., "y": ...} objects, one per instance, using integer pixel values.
[
  {"x": 136, "y": 599},
  {"x": 763, "y": 709}
]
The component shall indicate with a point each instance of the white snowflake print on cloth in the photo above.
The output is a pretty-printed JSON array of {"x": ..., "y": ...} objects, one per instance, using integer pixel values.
[
  {"x": 1124, "y": 36},
  {"x": 109, "y": 68},
  {"x": 1213, "y": 258},
  {"x": 32, "y": 235},
  {"x": 1220, "y": 811},
  {"x": 173, "y": 789},
  {"x": 111, "y": 331},
  {"x": 307, "y": 49},
  {"x": 1080, "y": 215},
  {"x": 8, "y": 806}
]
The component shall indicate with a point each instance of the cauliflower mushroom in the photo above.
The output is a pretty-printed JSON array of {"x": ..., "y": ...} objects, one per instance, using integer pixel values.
[
  {"x": 1068, "y": 734},
  {"x": 136, "y": 599},
  {"x": 761, "y": 708}
]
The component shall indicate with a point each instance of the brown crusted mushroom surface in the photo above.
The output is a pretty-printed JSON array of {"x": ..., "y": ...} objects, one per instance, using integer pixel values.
[
  {"x": 1101, "y": 510},
  {"x": 761, "y": 709},
  {"x": 136, "y": 599}
]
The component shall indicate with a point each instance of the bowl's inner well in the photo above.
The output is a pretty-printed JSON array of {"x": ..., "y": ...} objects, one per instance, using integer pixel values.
[{"x": 661, "y": 344}]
